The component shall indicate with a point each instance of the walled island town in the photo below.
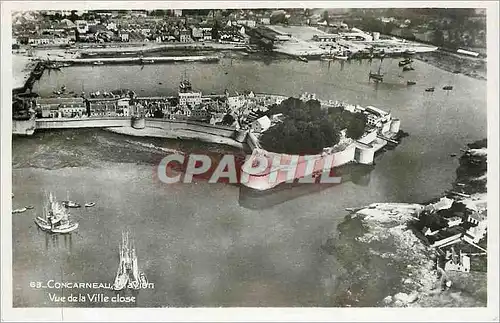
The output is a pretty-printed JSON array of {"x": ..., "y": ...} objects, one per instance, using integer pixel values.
[{"x": 391, "y": 102}]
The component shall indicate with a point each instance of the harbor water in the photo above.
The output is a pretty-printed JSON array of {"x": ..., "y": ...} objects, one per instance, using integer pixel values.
[{"x": 197, "y": 243}]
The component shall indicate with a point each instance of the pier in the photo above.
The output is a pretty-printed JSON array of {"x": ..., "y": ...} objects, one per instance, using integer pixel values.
[{"x": 136, "y": 60}]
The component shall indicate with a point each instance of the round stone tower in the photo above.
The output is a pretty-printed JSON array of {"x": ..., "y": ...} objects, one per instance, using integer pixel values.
[{"x": 138, "y": 122}]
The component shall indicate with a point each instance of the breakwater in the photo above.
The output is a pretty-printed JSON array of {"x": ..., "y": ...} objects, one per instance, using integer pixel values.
[
  {"x": 137, "y": 60},
  {"x": 28, "y": 127}
]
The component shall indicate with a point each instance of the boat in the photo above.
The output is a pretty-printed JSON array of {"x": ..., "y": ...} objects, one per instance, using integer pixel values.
[
  {"x": 302, "y": 58},
  {"x": 408, "y": 68},
  {"x": 91, "y": 204},
  {"x": 128, "y": 274},
  {"x": 378, "y": 76},
  {"x": 29, "y": 207},
  {"x": 148, "y": 60},
  {"x": 98, "y": 63},
  {"x": 342, "y": 57},
  {"x": 56, "y": 219},
  {"x": 405, "y": 62},
  {"x": 429, "y": 89},
  {"x": 448, "y": 87},
  {"x": 21, "y": 210},
  {"x": 411, "y": 82},
  {"x": 70, "y": 204}
]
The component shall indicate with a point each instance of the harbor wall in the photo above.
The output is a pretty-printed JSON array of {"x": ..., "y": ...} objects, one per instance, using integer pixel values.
[
  {"x": 67, "y": 123},
  {"x": 23, "y": 127},
  {"x": 200, "y": 127}
]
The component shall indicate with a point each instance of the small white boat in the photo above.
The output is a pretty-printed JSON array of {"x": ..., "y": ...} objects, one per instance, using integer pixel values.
[
  {"x": 29, "y": 207},
  {"x": 98, "y": 63},
  {"x": 91, "y": 204},
  {"x": 21, "y": 210},
  {"x": 342, "y": 58},
  {"x": 70, "y": 204}
]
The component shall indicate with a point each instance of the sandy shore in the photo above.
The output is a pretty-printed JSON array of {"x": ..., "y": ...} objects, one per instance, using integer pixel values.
[{"x": 177, "y": 134}]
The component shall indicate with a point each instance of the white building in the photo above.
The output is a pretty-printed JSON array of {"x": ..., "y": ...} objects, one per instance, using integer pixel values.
[
  {"x": 82, "y": 26},
  {"x": 192, "y": 98},
  {"x": 261, "y": 124},
  {"x": 454, "y": 221}
]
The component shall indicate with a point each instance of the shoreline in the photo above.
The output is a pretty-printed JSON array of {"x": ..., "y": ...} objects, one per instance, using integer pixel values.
[
  {"x": 393, "y": 233},
  {"x": 456, "y": 64}
]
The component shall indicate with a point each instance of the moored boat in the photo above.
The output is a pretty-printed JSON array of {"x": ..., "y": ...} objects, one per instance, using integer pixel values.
[
  {"x": 91, "y": 204},
  {"x": 98, "y": 63},
  {"x": 70, "y": 204},
  {"x": 429, "y": 89},
  {"x": 29, "y": 207},
  {"x": 411, "y": 82},
  {"x": 56, "y": 219},
  {"x": 21, "y": 210},
  {"x": 448, "y": 87},
  {"x": 302, "y": 58}
]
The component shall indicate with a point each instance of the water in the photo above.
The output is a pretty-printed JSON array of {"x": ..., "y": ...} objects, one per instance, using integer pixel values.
[{"x": 196, "y": 242}]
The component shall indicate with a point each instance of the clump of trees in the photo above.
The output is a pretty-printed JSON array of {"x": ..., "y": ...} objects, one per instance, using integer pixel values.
[{"x": 308, "y": 128}]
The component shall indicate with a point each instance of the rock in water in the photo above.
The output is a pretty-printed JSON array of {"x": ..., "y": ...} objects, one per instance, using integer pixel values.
[
  {"x": 402, "y": 297},
  {"x": 412, "y": 297},
  {"x": 398, "y": 303},
  {"x": 388, "y": 300}
]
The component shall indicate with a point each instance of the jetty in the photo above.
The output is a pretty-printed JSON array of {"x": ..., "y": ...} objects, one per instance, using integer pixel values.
[{"x": 137, "y": 60}]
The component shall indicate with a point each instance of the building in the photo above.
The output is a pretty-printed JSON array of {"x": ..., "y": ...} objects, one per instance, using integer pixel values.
[
  {"x": 200, "y": 114},
  {"x": 48, "y": 40},
  {"x": 197, "y": 33},
  {"x": 261, "y": 124},
  {"x": 375, "y": 116},
  {"x": 185, "y": 36},
  {"x": 265, "y": 20},
  {"x": 327, "y": 38},
  {"x": 82, "y": 26},
  {"x": 109, "y": 107},
  {"x": 178, "y": 12},
  {"x": 456, "y": 262},
  {"x": 473, "y": 219},
  {"x": 124, "y": 37},
  {"x": 61, "y": 107},
  {"x": 453, "y": 221},
  {"x": 191, "y": 98}
]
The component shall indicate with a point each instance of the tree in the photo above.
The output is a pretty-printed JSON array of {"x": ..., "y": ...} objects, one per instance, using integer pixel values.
[
  {"x": 228, "y": 119},
  {"x": 326, "y": 16}
]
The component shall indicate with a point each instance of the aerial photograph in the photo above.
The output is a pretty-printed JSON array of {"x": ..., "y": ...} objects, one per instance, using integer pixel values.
[{"x": 255, "y": 157}]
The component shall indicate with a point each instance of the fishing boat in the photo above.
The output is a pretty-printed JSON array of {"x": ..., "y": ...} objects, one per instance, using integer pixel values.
[
  {"x": 448, "y": 87},
  {"x": 411, "y": 82},
  {"x": 429, "y": 89},
  {"x": 98, "y": 63},
  {"x": 342, "y": 57},
  {"x": 302, "y": 58},
  {"x": 405, "y": 62},
  {"x": 408, "y": 68},
  {"x": 378, "y": 76},
  {"x": 128, "y": 274},
  {"x": 91, "y": 204},
  {"x": 21, "y": 210},
  {"x": 148, "y": 61},
  {"x": 70, "y": 204},
  {"x": 56, "y": 219},
  {"x": 29, "y": 207}
]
